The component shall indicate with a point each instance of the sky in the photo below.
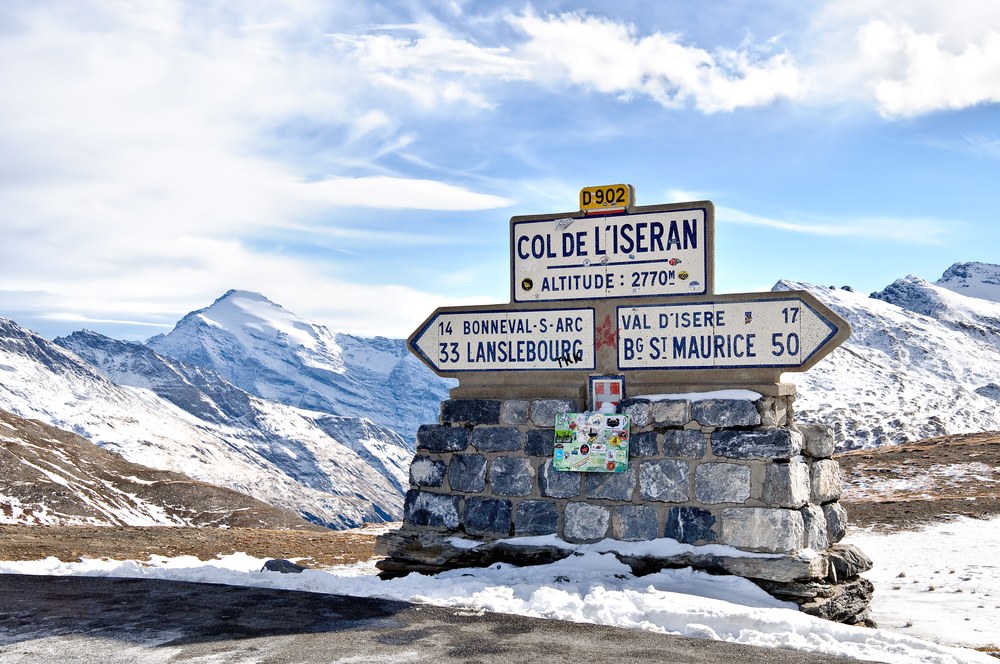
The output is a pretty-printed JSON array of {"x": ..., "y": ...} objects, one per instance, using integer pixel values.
[{"x": 359, "y": 163}]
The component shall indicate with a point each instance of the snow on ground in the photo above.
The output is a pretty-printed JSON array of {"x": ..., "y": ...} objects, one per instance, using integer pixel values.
[
  {"x": 941, "y": 583},
  {"x": 595, "y": 587}
]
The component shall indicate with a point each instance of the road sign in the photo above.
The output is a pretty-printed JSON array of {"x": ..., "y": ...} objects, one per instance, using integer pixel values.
[
  {"x": 790, "y": 330},
  {"x": 503, "y": 338},
  {"x": 606, "y": 198},
  {"x": 652, "y": 251}
]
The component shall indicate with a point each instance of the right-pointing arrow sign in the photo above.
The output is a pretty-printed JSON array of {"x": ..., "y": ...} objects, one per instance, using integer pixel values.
[{"x": 790, "y": 330}]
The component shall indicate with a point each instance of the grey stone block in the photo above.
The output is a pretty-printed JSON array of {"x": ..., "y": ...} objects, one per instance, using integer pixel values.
[
  {"x": 610, "y": 486},
  {"x": 539, "y": 442},
  {"x": 786, "y": 484},
  {"x": 496, "y": 439},
  {"x": 467, "y": 473},
  {"x": 425, "y": 471},
  {"x": 514, "y": 412},
  {"x": 543, "y": 411},
  {"x": 634, "y": 523},
  {"x": 511, "y": 476},
  {"x": 817, "y": 440},
  {"x": 763, "y": 529},
  {"x": 690, "y": 525},
  {"x": 814, "y": 522},
  {"x": 826, "y": 481},
  {"x": 638, "y": 410},
  {"x": 757, "y": 444},
  {"x": 438, "y": 438},
  {"x": 554, "y": 483},
  {"x": 690, "y": 443},
  {"x": 487, "y": 516},
  {"x": 536, "y": 517},
  {"x": 716, "y": 483},
  {"x": 725, "y": 413},
  {"x": 586, "y": 522},
  {"x": 847, "y": 561},
  {"x": 422, "y": 508},
  {"x": 642, "y": 444},
  {"x": 470, "y": 411},
  {"x": 671, "y": 412},
  {"x": 836, "y": 522},
  {"x": 665, "y": 481}
]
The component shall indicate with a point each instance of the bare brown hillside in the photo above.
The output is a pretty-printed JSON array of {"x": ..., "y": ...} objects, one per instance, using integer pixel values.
[{"x": 901, "y": 487}]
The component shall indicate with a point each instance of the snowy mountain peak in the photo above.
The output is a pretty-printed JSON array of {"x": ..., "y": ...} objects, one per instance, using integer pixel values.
[
  {"x": 273, "y": 353},
  {"x": 980, "y": 280},
  {"x": 246, "y": 313}
]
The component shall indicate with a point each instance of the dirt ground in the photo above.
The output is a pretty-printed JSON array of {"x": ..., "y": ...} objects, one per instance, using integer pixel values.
[
  {"x": 893, "y": 488},
  {"x": 906, "y": 486},
  {"x": 70, "y": 543}
]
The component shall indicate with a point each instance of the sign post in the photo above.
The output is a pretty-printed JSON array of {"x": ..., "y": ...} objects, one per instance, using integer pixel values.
[
  {"x": 658, "y": 250},
  {"x": 638, "y": 285}
]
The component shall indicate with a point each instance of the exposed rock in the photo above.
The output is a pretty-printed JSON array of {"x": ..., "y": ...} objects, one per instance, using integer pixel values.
[
  {"x": 586, "y": 522},
  {"x": 757, "y": 443},
  {"x": 786, "y": 484},
  {"x": 496, "y": 439},
  {"x": 725, "y": 413},
  {"x": 283, "y": 566},
  {"x": 511, "y": 476},
  {"x": 633, "y": 523},
  {"x": 612, "y": 486},
  {"x": 721, "y": 483},
  {"x": 671, "y": 412},
  {"x": 470, "y": 411},
  {"x": 543, "y": 411},
  {"x": 438, "y": 438},
  {"x": 665, "y": 481},
  {"x": 762, "y": 529},
  {"x": 690, "y": 443},
  {"x": 467, "y": 472}
]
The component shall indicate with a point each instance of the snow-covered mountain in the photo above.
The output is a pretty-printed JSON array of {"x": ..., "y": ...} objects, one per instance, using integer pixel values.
[
  {"x": 279, "y": 454},
  {"x": 922, "y": 361},
  {"x": 52, "y": 477},
  {"x": 272, "y": 353},
  {"x": 981, "y": 280}
]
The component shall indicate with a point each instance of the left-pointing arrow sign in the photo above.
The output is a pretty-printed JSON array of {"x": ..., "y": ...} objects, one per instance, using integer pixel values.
[{"x": 505, "y": 338}]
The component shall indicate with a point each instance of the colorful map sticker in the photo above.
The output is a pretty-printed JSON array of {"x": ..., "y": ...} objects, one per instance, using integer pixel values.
[{"x": 591, "y": 443}]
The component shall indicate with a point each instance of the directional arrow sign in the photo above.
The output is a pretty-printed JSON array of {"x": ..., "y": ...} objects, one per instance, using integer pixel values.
[
  {"x": 790, "y": 330},
  {"x": 504, "y": 338}
]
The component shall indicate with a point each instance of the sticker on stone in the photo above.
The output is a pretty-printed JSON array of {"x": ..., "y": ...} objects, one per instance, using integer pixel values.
[{"x": 591, "y": 442}]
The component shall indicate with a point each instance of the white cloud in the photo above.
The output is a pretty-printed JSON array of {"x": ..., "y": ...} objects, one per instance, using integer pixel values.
[
  {"x": 610, "y": 58},
  {"x": 910, "y": 231},
  {"x": 906, "y": 59},
  {"x": 400, "y": 193}
]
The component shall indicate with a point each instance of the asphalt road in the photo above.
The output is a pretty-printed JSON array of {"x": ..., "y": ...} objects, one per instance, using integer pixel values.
[{"x": 105, "y": 621}]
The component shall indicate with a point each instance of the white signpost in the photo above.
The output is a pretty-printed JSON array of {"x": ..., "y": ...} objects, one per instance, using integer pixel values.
[
  {"x": 664, "y": 252},
  {"x": 644, "y": 279},
  {"x": 506, "y": 339},
  {"x": 750, "y": 330}
]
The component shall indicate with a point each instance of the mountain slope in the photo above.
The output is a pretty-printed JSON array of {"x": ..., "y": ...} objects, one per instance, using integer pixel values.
[
  {"x": 979, "y": 280},
  {"x": 904, "y": 374},
  {"x": 210, "y": 397},
  {"x": 52, "y": 477},
  {"x": 296, "y": 465},
  {"x": 260, "y": 347}
]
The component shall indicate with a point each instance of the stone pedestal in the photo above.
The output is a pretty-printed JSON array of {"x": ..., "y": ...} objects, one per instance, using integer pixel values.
[{"x": 733, "y": 472}]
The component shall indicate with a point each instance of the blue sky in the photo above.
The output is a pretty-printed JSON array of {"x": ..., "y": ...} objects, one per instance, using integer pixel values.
[{"x": 359, "y": 163}]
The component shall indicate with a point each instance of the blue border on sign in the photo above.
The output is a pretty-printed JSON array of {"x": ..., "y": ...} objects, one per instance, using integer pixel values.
[
  {"x": 576, "y": 367},
  {"x": 788, "y": 367},
  {"x": 704, "y": 255}
]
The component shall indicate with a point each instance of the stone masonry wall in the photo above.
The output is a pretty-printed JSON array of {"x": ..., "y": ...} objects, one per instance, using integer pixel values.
[{"x": 715, "y": 471}]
